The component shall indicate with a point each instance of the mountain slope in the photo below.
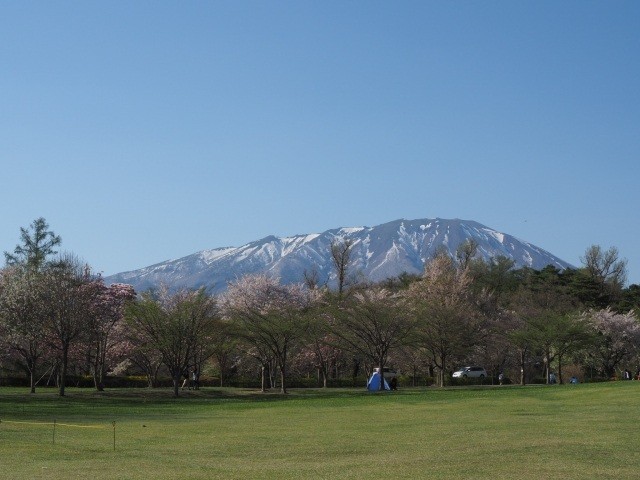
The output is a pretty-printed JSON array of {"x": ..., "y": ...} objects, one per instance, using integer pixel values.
[{"x": 379, "y": 252}]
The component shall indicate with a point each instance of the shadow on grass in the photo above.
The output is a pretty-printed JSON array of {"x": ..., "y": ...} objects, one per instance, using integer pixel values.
[{"x": 138, "y": 396}]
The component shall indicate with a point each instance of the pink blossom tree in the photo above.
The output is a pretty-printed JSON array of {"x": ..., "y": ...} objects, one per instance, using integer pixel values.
[
  {"x": 270, "y": 317},
  {"x": 102, "y": 340},
  {"x": 321, "y": 352}
]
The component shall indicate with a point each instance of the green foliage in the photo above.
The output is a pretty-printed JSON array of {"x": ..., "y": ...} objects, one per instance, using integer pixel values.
[
  {"x": 469, "y": 381},
  {"x": 630, "y": 300},
  {"x": 178, "y": 327},
  {"x": 37, "y": 245},
  {"x": 497, "y": 276}
]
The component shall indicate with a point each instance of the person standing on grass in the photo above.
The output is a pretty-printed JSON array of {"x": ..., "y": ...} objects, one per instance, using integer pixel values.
[
  {"x": 195, "y": 379},
  {"x": 394, "y": 384}
]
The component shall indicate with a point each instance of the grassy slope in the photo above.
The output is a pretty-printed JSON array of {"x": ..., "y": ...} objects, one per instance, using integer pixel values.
[{"x": 583, "y": 431}]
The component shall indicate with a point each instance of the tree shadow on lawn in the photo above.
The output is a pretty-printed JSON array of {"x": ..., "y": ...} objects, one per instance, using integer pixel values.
[{"x": 138, "y": 396}]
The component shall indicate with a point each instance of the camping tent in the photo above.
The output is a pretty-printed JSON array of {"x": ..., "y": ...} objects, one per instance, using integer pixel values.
[{"x": 374, "y": 383}]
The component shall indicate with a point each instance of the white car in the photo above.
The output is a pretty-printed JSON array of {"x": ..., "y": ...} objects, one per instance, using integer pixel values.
[{"x": 470, "y": 372}]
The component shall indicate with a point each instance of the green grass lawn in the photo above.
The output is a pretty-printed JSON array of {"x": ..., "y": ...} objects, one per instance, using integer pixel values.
[{"x": 537, "y": 432}]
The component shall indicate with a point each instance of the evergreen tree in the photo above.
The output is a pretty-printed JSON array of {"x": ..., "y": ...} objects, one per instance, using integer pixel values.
[{"x": 38, "y": 242}]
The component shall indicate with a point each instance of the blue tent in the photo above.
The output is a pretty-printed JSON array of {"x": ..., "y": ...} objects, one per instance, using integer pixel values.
[{"x": 373, "y": 385}]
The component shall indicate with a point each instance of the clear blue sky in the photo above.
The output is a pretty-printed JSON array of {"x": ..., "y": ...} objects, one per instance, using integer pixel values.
[{"x": 149, "y": 130}]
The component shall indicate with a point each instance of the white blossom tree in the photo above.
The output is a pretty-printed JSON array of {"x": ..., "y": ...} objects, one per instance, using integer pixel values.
[
  {"x": 448, "y": 321},
  {"x": 270, "y": 317},
  {"x": 22, "y": 319},
  {"x": 69, "y": 290},
  {"x": 617, "y": 339}
]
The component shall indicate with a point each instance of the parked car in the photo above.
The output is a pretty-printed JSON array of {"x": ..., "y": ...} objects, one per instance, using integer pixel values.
[
  {"x": 388, "y": 373},
  {"x": 470, "y": 372}
]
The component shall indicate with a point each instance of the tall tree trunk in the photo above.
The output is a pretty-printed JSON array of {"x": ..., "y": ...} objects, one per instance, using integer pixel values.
[
  {"x": 101, "y": 378},
  {"x": 272, "y": 374},
  {"x": 101, "y": 360},
  {"x": 223, "y": 363},
  {"x": 283, "y": 387},
  {"x": 442, "y": 370},
  {"x": 98, "y": 374},
  {"x": 560, "y": 369},
  {"x": 96, "y": 382},
  {"x": 322, "y": 376},
  {"x": 283, "y": 370},
  {"x": 32, "y": 364},
  {"x": 356, "y": 371},
  {"x": 324, "y": 372},
  {"x": 32, "y": 380},
  {"x": 547, "y": 366},
  {"x": 63, "y": 371},
  {"x": 176, "y": 376},
  {"x": 523, "y": 356}
]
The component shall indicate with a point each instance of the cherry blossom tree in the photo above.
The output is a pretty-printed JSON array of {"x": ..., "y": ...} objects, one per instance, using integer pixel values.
[
  {"x": 448, "y": 320},
  {"x": 617, "y": 339},
  {"x": 225, "y": 349},
  {"x": 102, "y": 339},
  {"x": 176, "y": 326},
  {"x": 140, "y": 351},
  {"x": 69, "y": 291},
  {"x": 270, "y": 317},
  {"x": 371, "y": 323},
  {"x": 22, "y": 315},
  {"x": 320, "y": 352}
]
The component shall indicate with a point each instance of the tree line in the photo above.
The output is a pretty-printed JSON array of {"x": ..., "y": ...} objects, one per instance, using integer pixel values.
[{"x": 57, "y": 317}]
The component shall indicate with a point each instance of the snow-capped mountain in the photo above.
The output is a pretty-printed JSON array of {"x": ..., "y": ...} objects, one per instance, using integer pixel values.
[{"x": 378, "y": 253}]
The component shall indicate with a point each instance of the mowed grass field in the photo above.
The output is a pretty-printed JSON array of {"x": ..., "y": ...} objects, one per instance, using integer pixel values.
[{"x": 511, "y": 432}]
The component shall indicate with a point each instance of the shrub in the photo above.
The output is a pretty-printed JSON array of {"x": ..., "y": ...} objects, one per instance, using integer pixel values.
[{"x": 459, "y": 382}]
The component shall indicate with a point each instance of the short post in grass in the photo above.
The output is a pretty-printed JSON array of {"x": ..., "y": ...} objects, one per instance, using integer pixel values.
[
  {"x": 54, "y": 431},
  {"x": 114, "y": 435}
]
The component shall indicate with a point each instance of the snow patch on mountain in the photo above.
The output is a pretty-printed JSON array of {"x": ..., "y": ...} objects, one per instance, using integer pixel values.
[
  {"x": 378, "y": 253},
  {"x": 209, "y": 256}
]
